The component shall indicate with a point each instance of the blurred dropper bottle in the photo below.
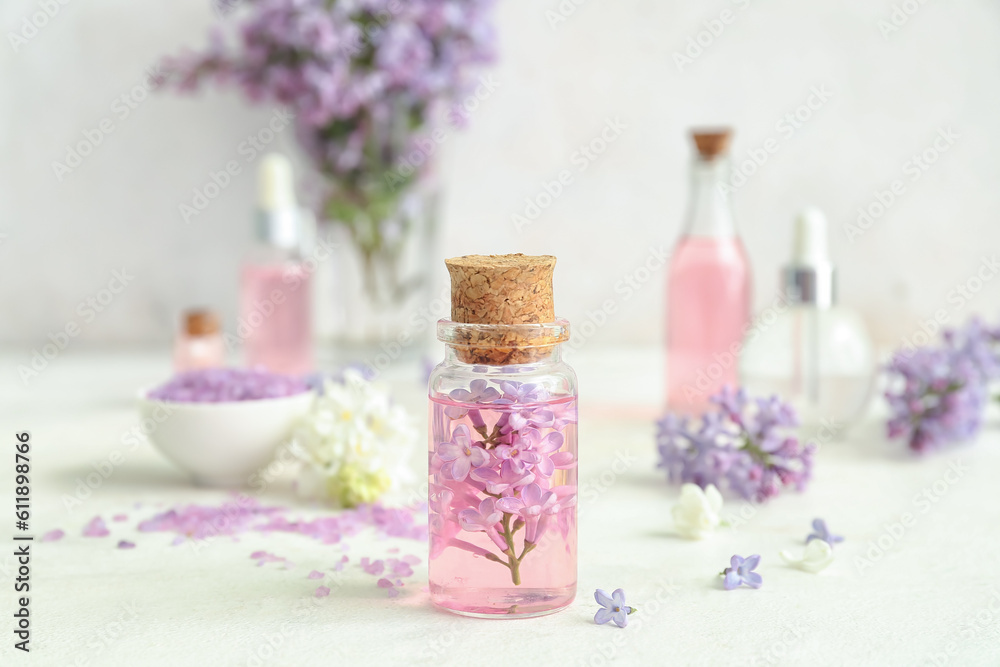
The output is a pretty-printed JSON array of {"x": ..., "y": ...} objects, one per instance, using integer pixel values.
[
  {"x": 708, "y": 285},
  {"x": 810, "y": 351},
  {"x": 275, "y": 285},
  {"x": 199, "y": 342}
]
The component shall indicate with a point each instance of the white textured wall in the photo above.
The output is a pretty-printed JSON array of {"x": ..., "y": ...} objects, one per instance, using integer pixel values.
[{"x": 558, "y": 87}]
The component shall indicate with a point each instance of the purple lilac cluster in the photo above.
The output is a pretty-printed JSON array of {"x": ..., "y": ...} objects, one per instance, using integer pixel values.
[
  {"x": 937, "y": 393},
  {"x": 744, "y": 445},
  {"x": 495, "y": 474},
  {"x": 363, "y": 77},
  {"x": 221, "y": 385}
]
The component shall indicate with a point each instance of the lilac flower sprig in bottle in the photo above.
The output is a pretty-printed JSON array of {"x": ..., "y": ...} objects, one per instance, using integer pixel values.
[{"x": 503, "y": 444}]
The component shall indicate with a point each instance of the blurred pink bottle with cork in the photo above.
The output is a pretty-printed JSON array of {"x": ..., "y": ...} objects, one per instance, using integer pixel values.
[
  {"x": 708, "y": 285},
  {"x": 199, "y": 343}
]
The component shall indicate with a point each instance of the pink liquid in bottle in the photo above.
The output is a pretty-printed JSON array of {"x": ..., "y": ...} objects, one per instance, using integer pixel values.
[
  {"x": 275, "y": 317},
  {"x": 708, "y": 286},
  {"x": 708, "y": 306},
  {"x": 469, "y": 573}
]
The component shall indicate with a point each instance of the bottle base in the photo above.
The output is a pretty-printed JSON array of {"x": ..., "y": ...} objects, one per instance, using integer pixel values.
[{"x": 502, "y": 602}]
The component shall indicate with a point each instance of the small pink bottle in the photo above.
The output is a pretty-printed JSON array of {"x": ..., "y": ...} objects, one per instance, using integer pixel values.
[
  {"x": 275, "y": 284},
  {"x": 708, "y": 286},
  {"x": 199, "y": 343}
]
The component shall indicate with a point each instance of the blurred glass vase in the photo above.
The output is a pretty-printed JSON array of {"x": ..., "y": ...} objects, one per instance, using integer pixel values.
[{"x": 378, "y": 276}]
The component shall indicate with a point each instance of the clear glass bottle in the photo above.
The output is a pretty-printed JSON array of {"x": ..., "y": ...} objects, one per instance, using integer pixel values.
[
  {"x": 708, "y": 286},
  {"x": 815, "y": 354},
  {"x": 502, "y": 475},
  {"x": 275, "y": 284},
  {"x": 199, "y": 342}
]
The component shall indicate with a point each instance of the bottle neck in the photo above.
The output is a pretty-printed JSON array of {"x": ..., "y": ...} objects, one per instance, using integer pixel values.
[
  {"x": 710, "y": 211},
  {"x": 541, "y": 356}
]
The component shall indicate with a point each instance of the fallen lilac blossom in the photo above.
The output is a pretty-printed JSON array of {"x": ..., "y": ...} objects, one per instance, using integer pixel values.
[
  {"x": 53, "y": 536},
  {"x": 96, "y": 528},
  {"x": 199, "y": 522},
  {"x": 245, "y": 514},
  {"x": 372, "y": 567},
  {"x": 315, "y": 574},
  {"x": 385, "y": 583},
  {"x": 263, "y": 557},
  {"x": 125, "y": 544},
  {"x": 400, "y": 569},
  {"x": 322, "y": 592}
]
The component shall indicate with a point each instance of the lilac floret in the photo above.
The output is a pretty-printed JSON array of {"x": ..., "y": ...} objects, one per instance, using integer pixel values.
[
  {"x": 613, "y": 608},
  {"x": 821, "y": 532},
  {"x": 741, "y": 571},
  {"x": 218, "y": 385}
]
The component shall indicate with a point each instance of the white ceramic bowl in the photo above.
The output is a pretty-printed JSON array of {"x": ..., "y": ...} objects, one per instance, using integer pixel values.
[{"x": 222, "y": 444}]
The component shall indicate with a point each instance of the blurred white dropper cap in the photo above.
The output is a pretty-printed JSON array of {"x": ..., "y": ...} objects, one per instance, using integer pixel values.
[
  {"x": 275, "y": 183},
  {"x": 278, "y": 216},
  {"x": 809, "y": 277},
  {"x": 809, "y": 241}
]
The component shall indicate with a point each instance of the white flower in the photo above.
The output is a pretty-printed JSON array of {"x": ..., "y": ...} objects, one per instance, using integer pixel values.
[
  {"x": 696, "y": 514},
  {"x": 354, "y": 444},
  {"x": 818, "y": 555}
]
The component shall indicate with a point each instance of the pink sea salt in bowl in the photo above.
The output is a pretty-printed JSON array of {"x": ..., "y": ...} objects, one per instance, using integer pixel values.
[{"x": 223, "y": 426}]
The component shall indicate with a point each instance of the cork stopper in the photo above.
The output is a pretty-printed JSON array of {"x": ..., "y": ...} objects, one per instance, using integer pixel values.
[
  {"x": 200, "y": 323},
  {"x": 712, "y": 143},
  {"x": 505, "y": 290}
]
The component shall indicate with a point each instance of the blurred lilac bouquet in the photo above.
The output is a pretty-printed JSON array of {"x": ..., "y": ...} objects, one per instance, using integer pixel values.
[
  {"x": 367, "y": 82},
  {"x": 937, "y": 394},
  {"x": 745, "y": 445}
]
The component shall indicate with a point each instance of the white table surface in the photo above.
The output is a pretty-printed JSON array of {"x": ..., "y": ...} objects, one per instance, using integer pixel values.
[{"x": 930, "y": 596}]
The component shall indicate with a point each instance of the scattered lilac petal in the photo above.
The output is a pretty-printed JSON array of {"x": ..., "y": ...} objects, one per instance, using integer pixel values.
[
  {"x": 402, "y": 569},
  {"x": 384, "y": 583},
  {"x": 393, "y": 592},
  {"x": 125, "y": 544},
  {"x": 53, "y": 536},
  {"x": 120, "y": 517},
  {"x": 315, "y": 574},
  {"x": 322, "y": 592},
  {"x": 96, "y": 528},
  {"x": 263, "y": 557},
  {"x": 821, "y": 532},
  {"x": 410, "y": 559},
  {"x": 374, "y": 567}
]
